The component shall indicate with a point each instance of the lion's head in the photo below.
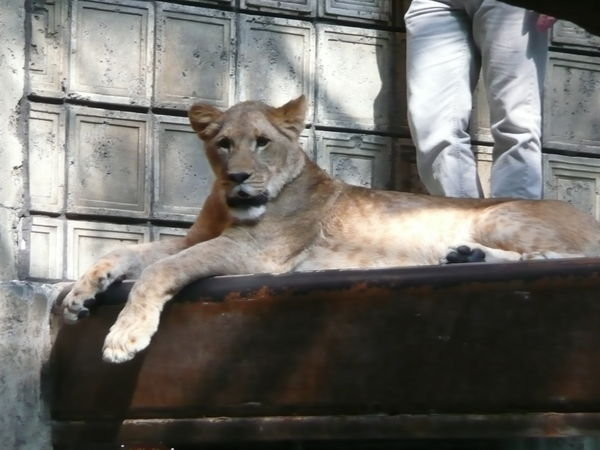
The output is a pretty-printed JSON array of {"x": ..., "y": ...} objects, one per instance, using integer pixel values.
[{"x": 253, "y": 150}]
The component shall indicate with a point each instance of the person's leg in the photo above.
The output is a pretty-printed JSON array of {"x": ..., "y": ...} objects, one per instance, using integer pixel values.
[
  {"x": 442, "y": 68},
  {"x": 513, "y": 56}
]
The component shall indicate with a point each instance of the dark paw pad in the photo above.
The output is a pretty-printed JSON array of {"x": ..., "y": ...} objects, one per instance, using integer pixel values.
[
  {"x": 89, "y": 301},
  {"x": 465, "y": 254}
]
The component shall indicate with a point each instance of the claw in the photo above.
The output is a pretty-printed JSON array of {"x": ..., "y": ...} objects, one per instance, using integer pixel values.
[{"x": 69, "y": 317}]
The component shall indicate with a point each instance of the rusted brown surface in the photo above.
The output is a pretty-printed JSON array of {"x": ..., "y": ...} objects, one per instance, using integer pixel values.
[
  {"x": 491, "y": 340},
  {"x": 322, "y": 428},
  {"x": 584, "y": 13}
]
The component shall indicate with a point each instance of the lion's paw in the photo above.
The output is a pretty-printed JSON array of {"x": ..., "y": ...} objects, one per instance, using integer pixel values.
[
  {"x": 75, "y": 304},
  {"x": 463, "y": 254},
  {"x": 83, "y": 295},
  {"x": 128, "y": 336}
]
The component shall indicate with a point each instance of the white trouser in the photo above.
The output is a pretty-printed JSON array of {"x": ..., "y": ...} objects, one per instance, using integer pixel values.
[{"x": 448, "y": 41}]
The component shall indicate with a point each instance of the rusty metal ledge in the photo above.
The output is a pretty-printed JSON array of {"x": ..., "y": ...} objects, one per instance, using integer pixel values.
[
  {"x": 476, "y": 350},
  {"x": 218, "y": 288},
  {"x": 293, "y": 428}
]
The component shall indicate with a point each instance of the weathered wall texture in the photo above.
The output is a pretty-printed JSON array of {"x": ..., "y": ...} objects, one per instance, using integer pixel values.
[
  {"x": 111, "y": 80},
  {"x": 24, "y": 351},
  {"x": 112, "y": 159},
  {"x": 12, "y": 132}
]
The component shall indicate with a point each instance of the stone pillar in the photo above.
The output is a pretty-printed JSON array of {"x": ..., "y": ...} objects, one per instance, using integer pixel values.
[
  {"x": 25, "y": 343},
  {"x": 12, "y": 132}
]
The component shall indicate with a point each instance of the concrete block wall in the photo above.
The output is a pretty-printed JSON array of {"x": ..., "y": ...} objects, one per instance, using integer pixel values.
[
  {"x": 571, "y": 127},
  {"x": 111, "y": 157}
]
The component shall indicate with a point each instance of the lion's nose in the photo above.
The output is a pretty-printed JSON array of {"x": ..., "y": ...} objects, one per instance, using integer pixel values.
[{"x": 238, "y": 177}]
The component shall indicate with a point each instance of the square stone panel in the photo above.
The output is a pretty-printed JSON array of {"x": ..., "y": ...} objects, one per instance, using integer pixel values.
[
  {"x": 369, "y": 11},
  {"x": 183, "y": 177},
  {"x": 276, "y": 60},
  {"x": 108, "y": 162},
  {"x": 162, "y": 233},
  {"x": 195, "y": 53},
  {"x": 48, "y": 47},
  {"x": 568, "y": 35},
  {"x": 46, "y": 248},
  {"x": 47, "y": 157},
  {"x": 572, "y": 97},
  {"x": 360, "y": 79},
  {"x": 360, "y": 160},
  {"x": 89, "y": 241},
  {"x": 300, "y": 7},
  {"x": 575, "y": 180},
  {"x": 111, "y": 51}
]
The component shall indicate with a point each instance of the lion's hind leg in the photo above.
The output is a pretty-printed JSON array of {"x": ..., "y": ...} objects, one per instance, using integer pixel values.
[
  {"x": 464, "y": 254},
  {"x": 536, "y": 229},
  {"x": 475, "y": 252},
  {"x": 550, "y": 255}
]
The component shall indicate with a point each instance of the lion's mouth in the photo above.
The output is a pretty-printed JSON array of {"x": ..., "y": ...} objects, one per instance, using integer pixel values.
[{"x": 244, "y": 200}]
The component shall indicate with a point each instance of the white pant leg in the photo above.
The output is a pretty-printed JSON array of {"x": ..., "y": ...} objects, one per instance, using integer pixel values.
[
  {"x": 442, "y": 69},
  {"x": 513, "y": 57}
]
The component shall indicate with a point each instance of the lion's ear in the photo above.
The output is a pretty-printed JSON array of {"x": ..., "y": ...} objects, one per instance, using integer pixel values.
[
  {"x": 291, "y": 115},
  {"x": 204, "y": 118}
]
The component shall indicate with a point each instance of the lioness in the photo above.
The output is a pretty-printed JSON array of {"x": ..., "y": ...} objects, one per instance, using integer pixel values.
[{"x": 273, "y": 210}]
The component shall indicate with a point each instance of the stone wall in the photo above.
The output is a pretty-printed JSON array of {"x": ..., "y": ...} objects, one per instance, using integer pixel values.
[
  {"x": 571, "y": 125},
  {"x": 112, "y": 159}
]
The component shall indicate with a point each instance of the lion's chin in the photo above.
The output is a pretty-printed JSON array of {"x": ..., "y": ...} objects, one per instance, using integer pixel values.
[
  {"x": 247, "y": 207},
  {"x": 248, "y": 214},
  {"x": 246, "y": 202}
]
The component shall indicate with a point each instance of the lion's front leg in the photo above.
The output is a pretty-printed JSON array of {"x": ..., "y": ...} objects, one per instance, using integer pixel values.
[
  {"x": 138, "y": 321},
  {"x": 117, "y": 265}
]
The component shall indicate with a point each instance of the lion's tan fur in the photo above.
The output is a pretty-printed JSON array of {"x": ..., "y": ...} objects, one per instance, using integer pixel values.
[{"x": 311, "y": 222}]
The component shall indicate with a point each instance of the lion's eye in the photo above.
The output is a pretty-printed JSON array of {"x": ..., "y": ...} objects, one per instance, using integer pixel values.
[
  {"x": 224, "y": 143},
  {"x": 261, "y": 141}
]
